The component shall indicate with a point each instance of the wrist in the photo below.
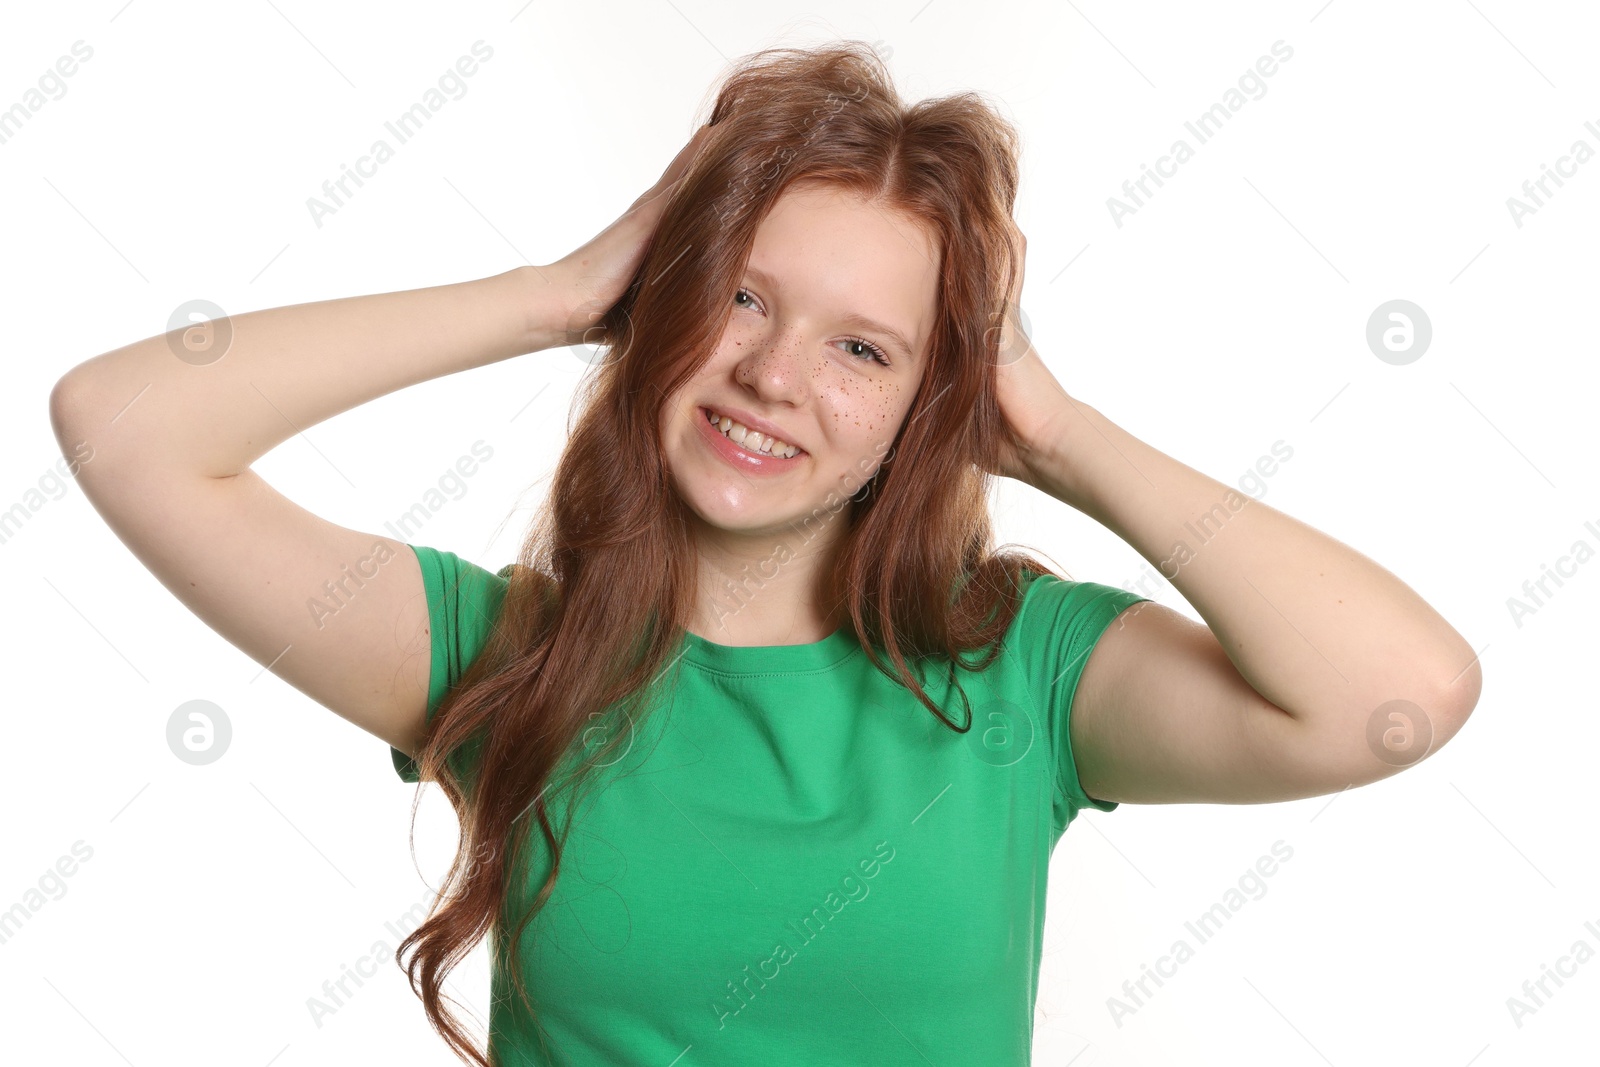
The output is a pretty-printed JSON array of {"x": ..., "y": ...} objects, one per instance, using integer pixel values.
[
  {"x": 546, "y": 302},
  {"x": 1052, "y": 458}
]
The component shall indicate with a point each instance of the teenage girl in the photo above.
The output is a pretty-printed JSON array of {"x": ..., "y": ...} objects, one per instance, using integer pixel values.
[{"x": 814, "y": 737}]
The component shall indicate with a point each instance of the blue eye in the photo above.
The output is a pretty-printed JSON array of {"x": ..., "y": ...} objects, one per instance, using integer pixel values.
[{"x": 873, "y": 351}]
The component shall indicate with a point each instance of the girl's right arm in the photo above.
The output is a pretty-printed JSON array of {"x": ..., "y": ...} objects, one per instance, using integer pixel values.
[{"x": 172, "y": 443}]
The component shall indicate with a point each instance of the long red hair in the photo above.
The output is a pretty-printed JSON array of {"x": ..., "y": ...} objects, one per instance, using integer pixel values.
[{"x": 606, "y": 578}]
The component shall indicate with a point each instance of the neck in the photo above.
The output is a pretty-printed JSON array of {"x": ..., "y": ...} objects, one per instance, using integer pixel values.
[{"x": 763, "y": 589}]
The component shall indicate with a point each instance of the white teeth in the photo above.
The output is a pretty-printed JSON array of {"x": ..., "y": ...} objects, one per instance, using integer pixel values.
[{"x": 750, "y": 439}]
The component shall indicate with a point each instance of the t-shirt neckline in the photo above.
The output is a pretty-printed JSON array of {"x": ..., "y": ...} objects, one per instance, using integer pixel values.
[{"x": 770, "y": 659}]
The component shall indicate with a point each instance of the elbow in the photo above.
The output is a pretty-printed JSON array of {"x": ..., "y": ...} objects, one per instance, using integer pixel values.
[
  {"x": 69, "y": 403},
  {"x": 1403, "y": 731},
  {"x": 1458, "y": 696},
  {"x": 1451, "y": 688},
  {"x": 66, "y": 404},
  {"x": 1449, "y": 704}
]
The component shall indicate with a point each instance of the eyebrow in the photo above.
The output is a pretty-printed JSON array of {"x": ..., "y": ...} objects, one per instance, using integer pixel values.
[{"x": 855, "y": 318}]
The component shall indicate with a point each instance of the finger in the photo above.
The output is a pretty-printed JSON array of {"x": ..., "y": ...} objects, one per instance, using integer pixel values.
[
  {"x": 656, "y": 195},
  {"x": 1022, "y": 266},
  {"x": 680, "y": 162}
]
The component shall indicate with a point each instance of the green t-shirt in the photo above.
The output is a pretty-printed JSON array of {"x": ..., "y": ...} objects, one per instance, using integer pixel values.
[{"x": 795, "y": 862}]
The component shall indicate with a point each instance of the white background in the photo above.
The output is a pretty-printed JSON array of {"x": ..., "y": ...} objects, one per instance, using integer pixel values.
[{"x": 1227, "y": 314}]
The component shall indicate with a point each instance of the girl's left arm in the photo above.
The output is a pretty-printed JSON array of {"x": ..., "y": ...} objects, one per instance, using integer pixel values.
[{"x": 1317, "y": 670}]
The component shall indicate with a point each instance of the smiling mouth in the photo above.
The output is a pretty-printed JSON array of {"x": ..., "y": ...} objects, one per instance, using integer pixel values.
[{"x": 751, "y": 440}]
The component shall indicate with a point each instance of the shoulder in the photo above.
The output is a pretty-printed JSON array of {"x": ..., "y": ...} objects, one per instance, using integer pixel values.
[
  {"x": 453, "y": 574},
  {"x": 1051, "y": 604},
  {"x": 1059, "y": 626}
]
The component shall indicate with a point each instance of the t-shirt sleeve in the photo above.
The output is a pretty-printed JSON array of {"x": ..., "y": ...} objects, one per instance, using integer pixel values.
[
  {"x": 463, "y": 602},
  {"x": 1056, "y": 628}
]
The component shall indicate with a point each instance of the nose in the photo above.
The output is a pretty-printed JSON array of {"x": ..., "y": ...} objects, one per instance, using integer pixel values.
[{"x": 777, "y": 368}]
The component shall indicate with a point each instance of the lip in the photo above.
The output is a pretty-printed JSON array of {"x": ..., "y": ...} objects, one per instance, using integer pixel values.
[
  {"x": 730, "y": 450},
  {"x": 758, "y": 424}
]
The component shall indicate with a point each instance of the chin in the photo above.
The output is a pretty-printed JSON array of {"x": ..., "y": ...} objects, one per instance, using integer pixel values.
[{"x": 736, "y": 509}]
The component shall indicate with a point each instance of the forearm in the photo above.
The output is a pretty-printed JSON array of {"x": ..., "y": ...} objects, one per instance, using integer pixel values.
[
  {"x": 289, "y": 368},
  {"x": 1314, "y": 626}
]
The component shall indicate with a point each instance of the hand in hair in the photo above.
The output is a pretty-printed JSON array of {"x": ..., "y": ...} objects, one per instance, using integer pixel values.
[
  {"x": 1030, "y": 397},
  {"x": 596, "y": 274}
]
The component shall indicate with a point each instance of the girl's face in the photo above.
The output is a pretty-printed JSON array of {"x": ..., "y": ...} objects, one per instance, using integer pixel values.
[{"x": 823, "y": 350}]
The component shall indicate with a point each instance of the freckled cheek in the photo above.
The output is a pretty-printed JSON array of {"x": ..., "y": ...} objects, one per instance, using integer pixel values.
[{"x": 861, "y": 416}]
